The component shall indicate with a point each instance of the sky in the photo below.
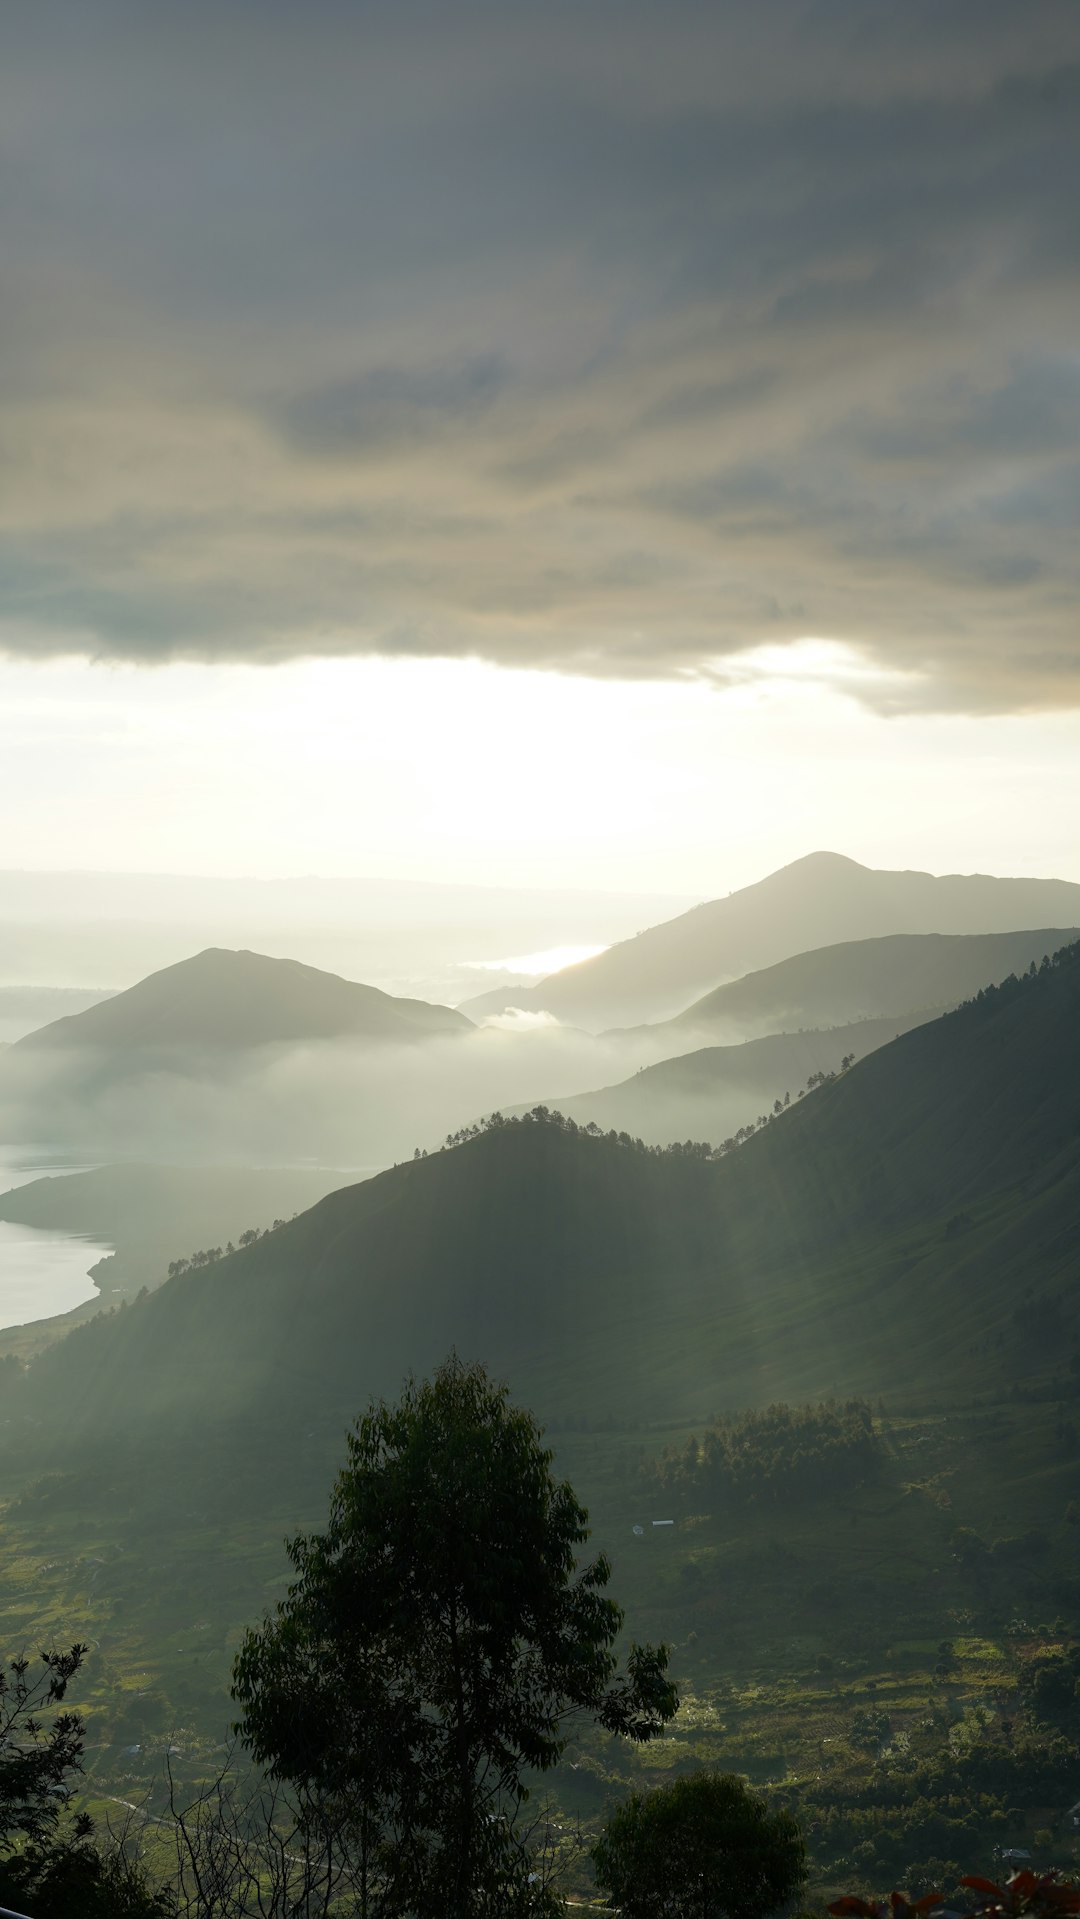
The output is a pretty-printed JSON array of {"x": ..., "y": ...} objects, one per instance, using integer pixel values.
[{"x": 616, "y": 445}]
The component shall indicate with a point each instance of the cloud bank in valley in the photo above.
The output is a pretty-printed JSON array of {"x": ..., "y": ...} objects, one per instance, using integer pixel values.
[
  {"x": 349, "y": 1103},
  {"x": 620, "y": 341}
]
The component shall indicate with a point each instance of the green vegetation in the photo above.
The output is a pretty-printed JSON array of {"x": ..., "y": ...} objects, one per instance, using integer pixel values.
[
  {"x": 775, "y": 1455},
  {"x": 434, "y": 1643},
  {"x": 36, "y": 1758},
  {"x": 648, "y": 1285},
  {"x": 716, "y": 1091},
  {"x": 699, "y": 1848},
  {"x": 149, "y": 1213},
  {"x": 833, "y": 1651},
  {"x": 46, "y": 1858},
  {"x": 209, "y": 1255},
  {"x": 870, "y": 1658}
]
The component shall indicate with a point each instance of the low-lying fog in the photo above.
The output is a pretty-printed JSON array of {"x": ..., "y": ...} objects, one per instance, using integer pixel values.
[{"x": 343, "y": 1102}]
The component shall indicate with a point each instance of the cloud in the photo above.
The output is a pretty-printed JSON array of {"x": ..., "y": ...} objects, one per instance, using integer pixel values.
[
  {"x": 519, "y": 1019},
  {"x": 1034, "y": 411},
  {"x": 341, "y": 1103},
  {"x": 391, "y": 408},
  {"x": 620, "y": 341}
]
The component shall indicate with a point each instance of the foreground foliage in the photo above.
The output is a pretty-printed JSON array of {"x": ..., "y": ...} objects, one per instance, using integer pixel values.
[
  {"x": 47, "y": 1861},
  {"x": 1038, "y": 1895},
  {"x": 437, "y": 1638},
  {"x": 702, "y": 1848},
  {"x": 37, "y": 1754}
]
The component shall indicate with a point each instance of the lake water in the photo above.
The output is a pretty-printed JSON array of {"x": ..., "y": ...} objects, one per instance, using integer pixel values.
[
  {"x": 41, "y": 1273},
  {"x": 45, "y": 1273}
]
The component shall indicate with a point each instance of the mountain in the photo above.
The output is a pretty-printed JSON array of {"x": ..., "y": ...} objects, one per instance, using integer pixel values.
[
  {"x": 712, "y": 1092},
  {"x": 900, "y": 974},
  {"x": 409, "y": 937},
  {"x": 818, "y": 901},
  {"x": 795, "y": 1019},
  {"x": 24, "y": 1008},
  {"x": 904, "y": 1209},
  {"x": 230, "y": 1000},
  {"x": 909, "y": 1229}
]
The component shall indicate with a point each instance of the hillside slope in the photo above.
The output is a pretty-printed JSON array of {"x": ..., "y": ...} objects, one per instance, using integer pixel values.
[
  {"x": 24, "y": 1009},
  {"x": 155, "y": 1214},
  {"x": 815, "y": 902},
  {"x": 226, "y": 999},
  {"x": 899, "y": 973},
  {"x": 918, "y": 1195},
  {"x": 712, "y": 1092}
]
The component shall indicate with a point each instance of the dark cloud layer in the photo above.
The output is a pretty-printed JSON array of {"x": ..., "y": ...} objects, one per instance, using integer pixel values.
[{"x": 620, "y": 339}]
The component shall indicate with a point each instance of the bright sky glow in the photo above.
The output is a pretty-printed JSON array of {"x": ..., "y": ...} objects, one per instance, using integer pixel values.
[{"x": 460, "y": 771}]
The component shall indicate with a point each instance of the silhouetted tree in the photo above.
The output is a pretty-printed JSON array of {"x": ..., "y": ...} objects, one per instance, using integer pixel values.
[
  {"x": 704, "y": 1847},
  {"x": 47, "y": 1863},
  {"x": 434, "y": 1641}
]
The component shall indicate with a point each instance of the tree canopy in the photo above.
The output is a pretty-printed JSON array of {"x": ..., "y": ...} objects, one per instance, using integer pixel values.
[
  {"x": 37, "y": 1755},
  {"x": 436, "y": 1640},
  {"x": 704, "y": 1847},
  {"x": 775, "y": 1453},
  {"x": 47, "y": 1862}
]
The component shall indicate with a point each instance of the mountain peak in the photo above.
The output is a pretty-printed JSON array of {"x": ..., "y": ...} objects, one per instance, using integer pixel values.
[
  {"x": 226, "y": 997},
  {"x": 823, "y": 859},
  {"x": 823, "y": 899}
]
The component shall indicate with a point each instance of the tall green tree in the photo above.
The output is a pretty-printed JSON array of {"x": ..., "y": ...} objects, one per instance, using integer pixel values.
[
  {"x": 704, "y": 1847},
  {"x": 439, "y": 1637}
]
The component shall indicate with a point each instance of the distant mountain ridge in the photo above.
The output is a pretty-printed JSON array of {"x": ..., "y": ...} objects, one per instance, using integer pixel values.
[
  {"x": 413, "y": 938},
  {"x": 772, "y": 1030},
  {"x": 710, "y": 1093},
  {"x": 817, "y": 901},
  {"x": 895, "y": 975},
  {"x": 226, "y": 999}
]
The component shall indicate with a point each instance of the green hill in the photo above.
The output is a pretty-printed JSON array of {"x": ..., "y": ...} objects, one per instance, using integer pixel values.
[
  {"x": 817, "y": 901},
  {"x": 152, "y": 1215},
  {"x": 227, "y": 1000},
  {"x": 920, "y": 1193}
]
